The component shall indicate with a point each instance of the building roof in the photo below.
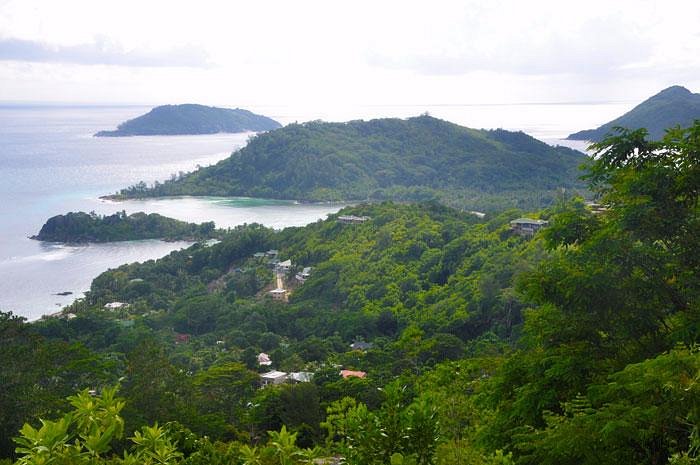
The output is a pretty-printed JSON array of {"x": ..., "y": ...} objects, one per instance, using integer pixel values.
[
  {"x": 529, "y": 221},
  {"x": 301, "y": 376},
  {"x": 264, "y": 359},
  {"x": 352, "y": 374},
  {"x": 113, "y": 305},
  {"x": 353, "y": 218},
  {"x": 361, "y": 345},
  {"x": 285, "y": 264},
  {"x": 278, "y": 291},
  {"x": 274, "y": 374}
]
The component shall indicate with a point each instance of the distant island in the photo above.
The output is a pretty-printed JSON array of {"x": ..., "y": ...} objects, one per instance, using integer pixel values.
[
  {"x": 414, "y": 159},
  {"x": 190, "y": 119},
  {"x": 670, "y": 107},
  {"x": 81, "y": 227}
]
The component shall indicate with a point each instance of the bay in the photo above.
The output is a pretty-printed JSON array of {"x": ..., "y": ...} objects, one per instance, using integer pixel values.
[{"x": 50, "y": 164}]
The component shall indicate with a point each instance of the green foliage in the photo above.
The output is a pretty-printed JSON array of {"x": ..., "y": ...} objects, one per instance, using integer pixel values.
[
  {"x": 79, "y": 227},
  {"x": 192, "y": 119},
  {"x": 417, "y": 159}
]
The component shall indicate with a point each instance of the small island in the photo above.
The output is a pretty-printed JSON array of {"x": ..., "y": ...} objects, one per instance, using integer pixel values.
[
  {"x": 669, "y": 108},
  {"x": 81, "y": 227},
  {"x": 191, "y": 119}
]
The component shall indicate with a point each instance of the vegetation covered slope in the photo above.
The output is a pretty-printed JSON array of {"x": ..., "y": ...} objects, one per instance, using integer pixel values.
[
  {"x": 578, "y": 346},
  {"x": 669, "y": 108},
  {"x": 415, "y": 159},
  {"x": 77, "y": 227},
  {"x": 192, "y": 119}
]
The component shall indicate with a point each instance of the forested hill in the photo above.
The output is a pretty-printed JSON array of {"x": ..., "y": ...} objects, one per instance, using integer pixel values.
[
  {"x": 81, "y": 227},
  {"x": 418, "y": 158},
  {"x": 669, "y": 108},
  {"x": 576, "y": 346},
  {"x": 192, "y": 119}
]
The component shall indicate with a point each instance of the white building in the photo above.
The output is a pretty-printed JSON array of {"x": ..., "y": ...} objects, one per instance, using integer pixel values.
[{"x": 273, "y": 377}]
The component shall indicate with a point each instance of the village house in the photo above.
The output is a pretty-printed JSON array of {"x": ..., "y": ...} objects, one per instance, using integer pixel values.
[
  {"x": 264, "y": 359},
  {"x": 527, "y": 227},
  {"x": 300, "y": 377},
  {"x": 283, "y": 267},
  {"x": 361, "y": 345},
  {"x": 278, "y": 294},
  {"x": 115, "y": 305},
  {"x": 273, "y": 377},
  {"x": 352, "y": 374},
  {"x": 303, "y": 275},
  {"x": 352, "y": 219}
]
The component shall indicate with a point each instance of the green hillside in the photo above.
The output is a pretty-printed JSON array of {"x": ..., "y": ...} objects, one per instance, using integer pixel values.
[
  {"x": 669, "y": 108},
  {"x": 81, "y": 227},
  {"x": 578, "y": 345},
  {"x": 419, "y": 158},
  {"x": 192, "y": 119}
]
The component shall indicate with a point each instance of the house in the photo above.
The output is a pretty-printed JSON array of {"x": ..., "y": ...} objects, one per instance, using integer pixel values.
[
  {"x": 300, "y": 377},
  {"x": 278, "y": 294},
  {"x": 527, "y": 227},
  {"x": 272, "y": 378},
  {"x": 272, "y": 253},
  {"x": 352, "y": 219},
  {"x": 284, "y": 266},
  {"x": 304, "y": 275},
  {"x": 352, "y": 374},
  {"x": 264, "y": 359},
  {"x": 259, "y": 255},
  {"x": 182, "y": 338},
  {"x": 361, "y": 345},
  {"x": 115, "y": 305}
]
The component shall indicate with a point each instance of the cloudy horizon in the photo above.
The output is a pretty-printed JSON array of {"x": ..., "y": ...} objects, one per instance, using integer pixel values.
[{"x": 359, "y": 53}]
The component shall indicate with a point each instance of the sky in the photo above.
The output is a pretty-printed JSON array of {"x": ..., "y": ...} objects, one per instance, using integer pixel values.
[{"x": 379, "y": 52}]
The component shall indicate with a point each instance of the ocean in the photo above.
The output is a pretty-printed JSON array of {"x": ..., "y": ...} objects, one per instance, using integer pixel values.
[{"x": 50, "y": 164}]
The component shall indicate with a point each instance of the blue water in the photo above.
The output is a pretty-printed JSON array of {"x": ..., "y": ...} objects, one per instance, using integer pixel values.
[{"x": 50, "y": 164}]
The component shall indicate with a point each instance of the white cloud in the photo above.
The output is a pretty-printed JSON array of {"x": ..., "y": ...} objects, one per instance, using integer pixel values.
[{"x": 320, "y": 52}]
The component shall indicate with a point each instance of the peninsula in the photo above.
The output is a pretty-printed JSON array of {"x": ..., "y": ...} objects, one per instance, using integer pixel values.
[
  {"x": 190, "y": 119},
  {"x": 414, "y": 159}
]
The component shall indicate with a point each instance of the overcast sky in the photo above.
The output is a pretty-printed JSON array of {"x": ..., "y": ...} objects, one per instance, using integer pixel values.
[{"x": 297, "y": 52}]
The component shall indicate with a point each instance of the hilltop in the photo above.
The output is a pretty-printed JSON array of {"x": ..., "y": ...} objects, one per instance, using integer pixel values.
[
  {"x": 420, "y": 158},
  {"x": 192, "y": 119},
  {"x": 670, "y": 107}
]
